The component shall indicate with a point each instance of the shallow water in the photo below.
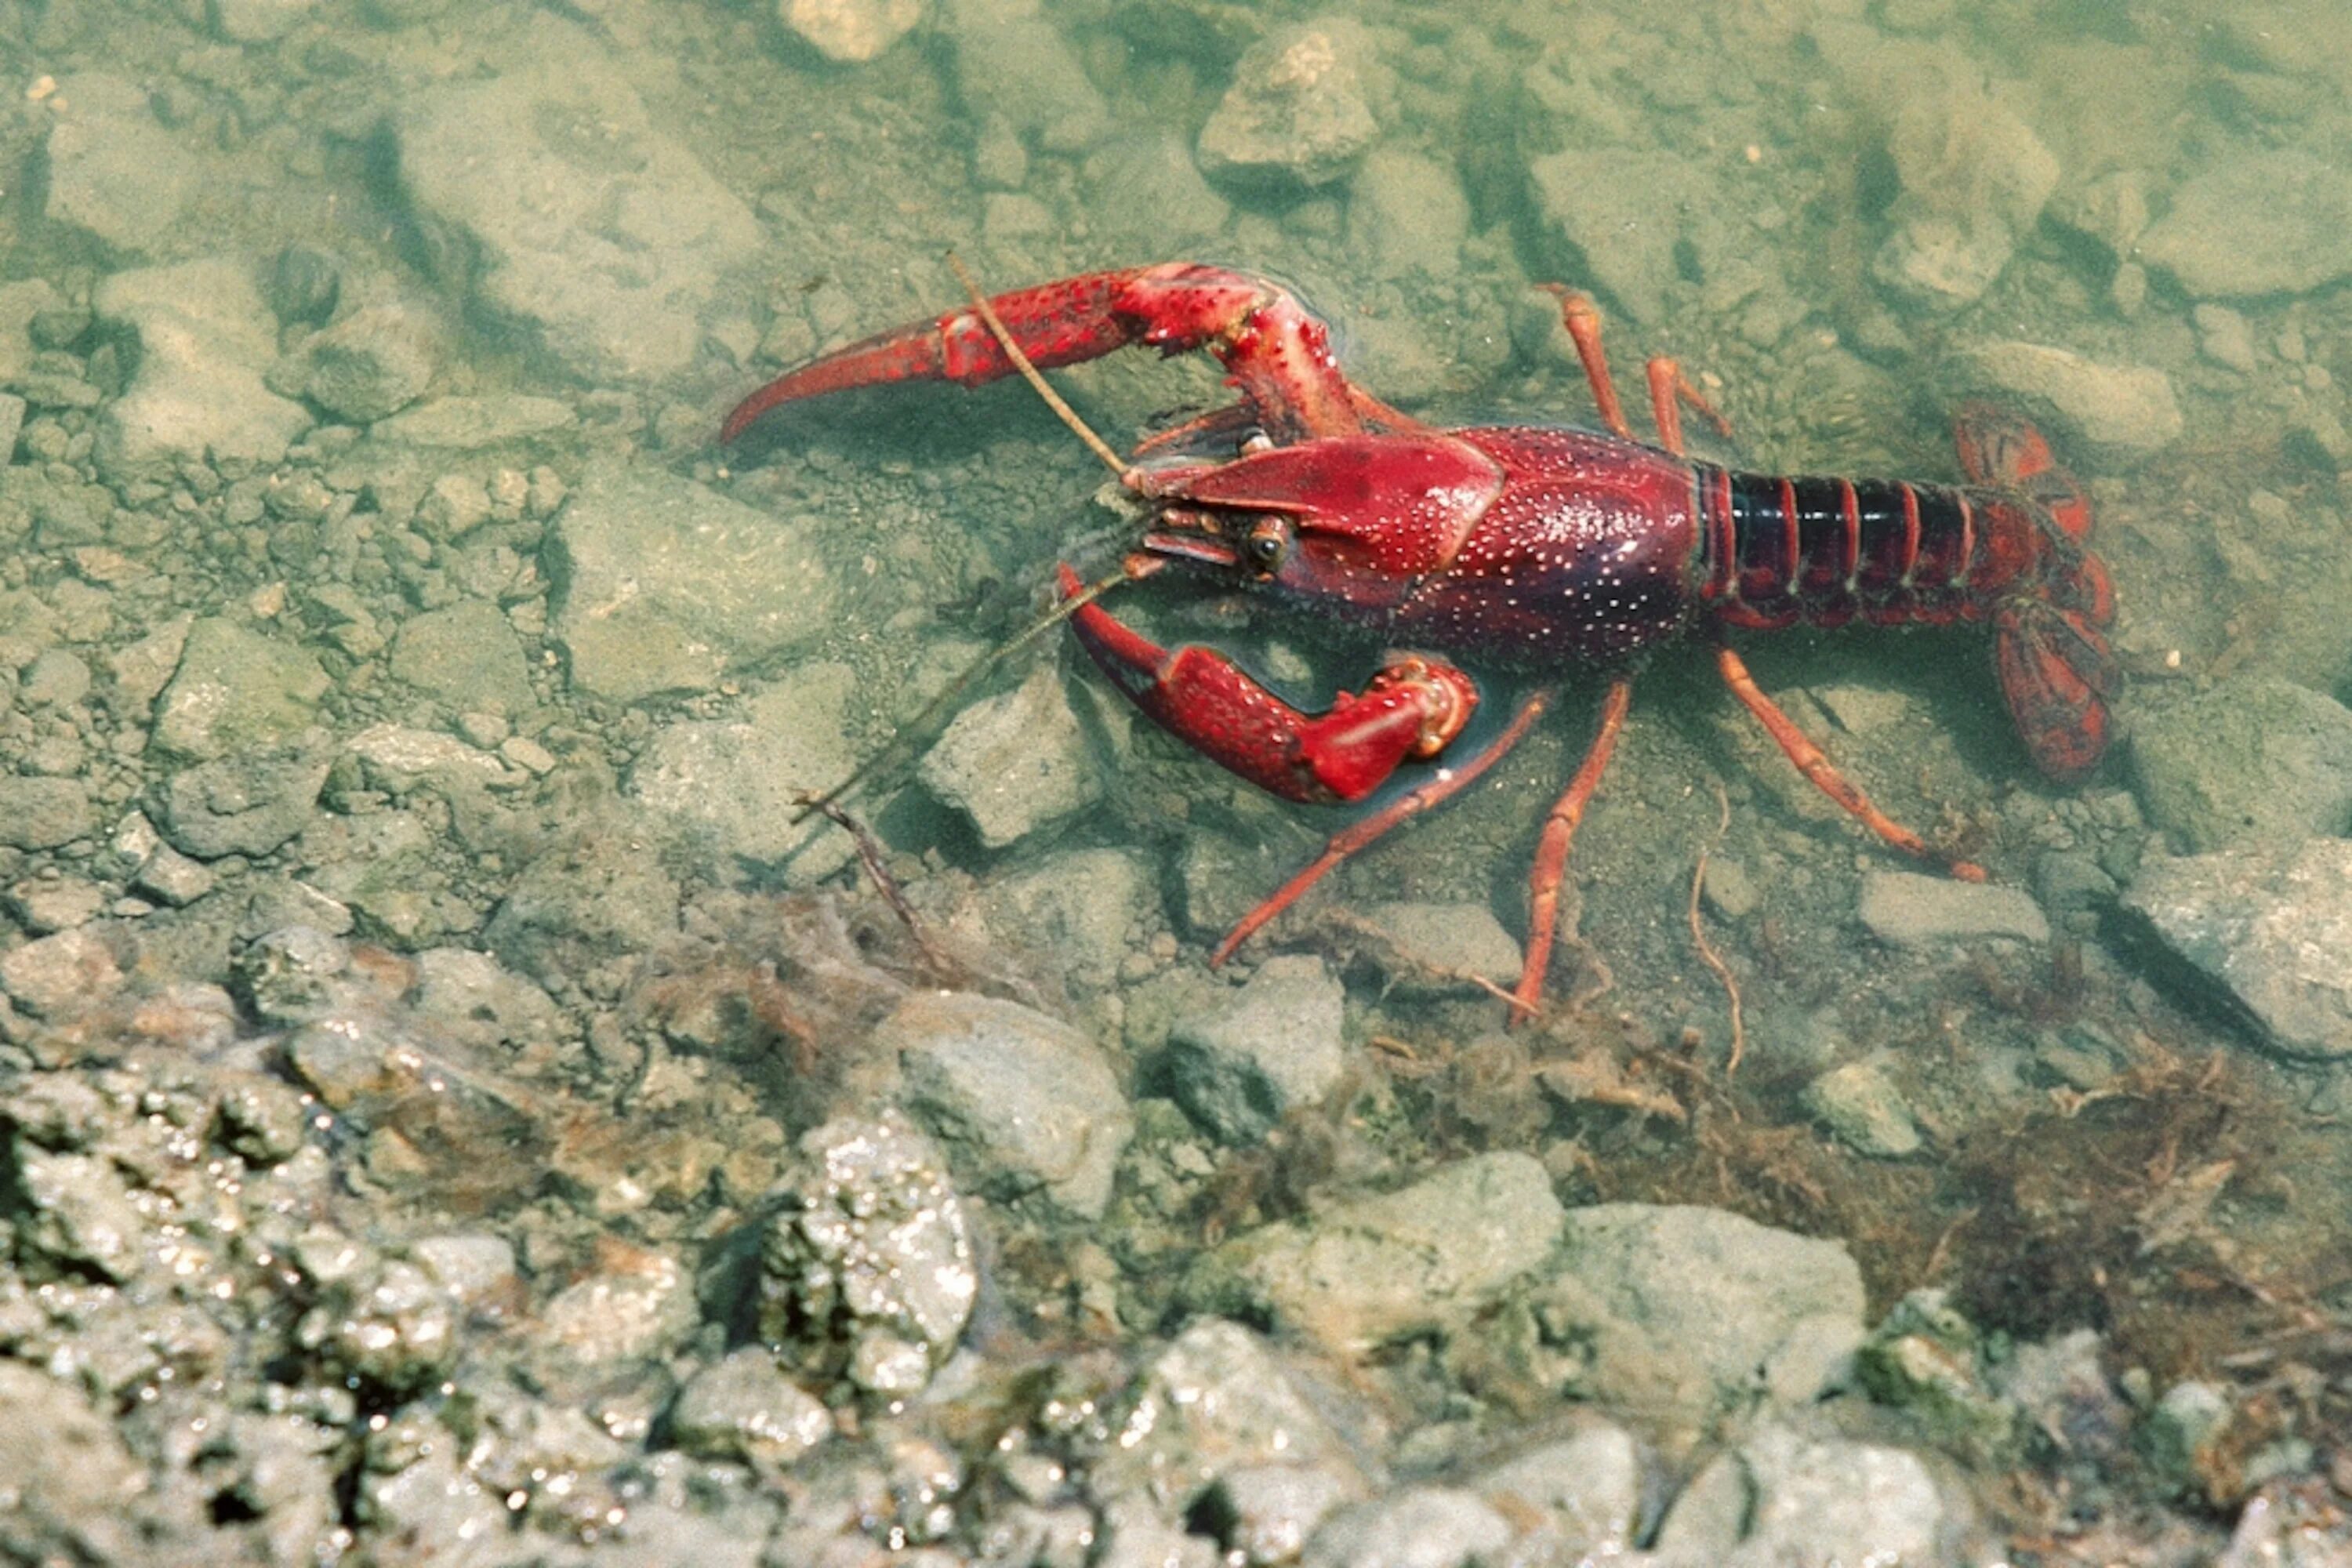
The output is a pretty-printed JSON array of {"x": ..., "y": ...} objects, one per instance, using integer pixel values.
[{"x": 250, "y": 256}]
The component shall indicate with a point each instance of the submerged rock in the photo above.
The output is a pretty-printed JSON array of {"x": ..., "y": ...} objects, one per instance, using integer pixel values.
[
  {"x": 1296, "y": 113},
  {"x": 2267, "y": 931},
  {"x": 1908, "y": 910},
  {"x": 113, "y": 170},
  {"x": 852, "y": 31},
  {"x": 2268, "y": 221},
  {"x": 1780, "y": 1499},
  {"x": 205, "y": 340},
  {"x": 1255, "y": 1055},
  {"x": 1015, "y": 764},
  {"x": 2117, "y": 411},
  {"x": 2262, "y": 762}
]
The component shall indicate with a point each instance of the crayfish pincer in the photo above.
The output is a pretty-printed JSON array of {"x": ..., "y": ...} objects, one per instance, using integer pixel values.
[{"x": 1539, "y": 548}]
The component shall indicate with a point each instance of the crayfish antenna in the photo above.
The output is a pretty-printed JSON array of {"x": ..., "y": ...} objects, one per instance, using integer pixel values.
[{"x": 913, "y": 735}]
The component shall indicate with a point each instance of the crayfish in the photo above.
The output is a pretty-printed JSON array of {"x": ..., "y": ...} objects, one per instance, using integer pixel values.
[{"x": 1534, "y": 547}]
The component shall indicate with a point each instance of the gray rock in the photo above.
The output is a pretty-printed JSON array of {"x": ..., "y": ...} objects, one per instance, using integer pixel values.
[
  {"x": 1146, "y": 185},
  {"x": 72, "y": 1481},
  {"x": 42, "y": 814},
  {"x": 2247, "y": 763},
  {"x": 470, "y": 997},
  {"x": 1779, "y": 1500},
  {"x": 235, "y": 691},
  {"x": 1587, "y": 1490},
  {"x": 2256, "y": 222},
  {"x": 2225, "y": 337},
  {"x": 662, "y": 584},
  {"x": 12, "y": 420},
  {"x": 247, "y": 804},
  {"x": 197, "y": 394},
  {"x": 2116, "y": 411},
  {"x": 1295, "y": 114},
  {"x": 1266, "y": 1513},
  {"x": 872, "y": 1254},
  {"x": 466, "y": 655},
  {"x": 1908, "y": 910},
  {"x": 1691, "y": 1315},
  {"x": 1414, "y": 1527},
  {"x": 633, "y": 1303},
  {"x": 733, "y": 789},
  {"x": 20, "y": 303},
  {"x": 744, "y": 1408},
  {"x": 1017, "y": 762},
  {"x": 2267, "y": 932},
  {"x": 1435, "y": 947},
  {"x": 399, "y": 758},
  {"x": 474, "y": 423},
  {"x": 1076, "y": 906},
  {"x": 1260, "y": 1052},
  {"x": 113, "y": 170},
  {"x": 373, "y": 362},
  {"x": 287, "y": 977},
  {"x": 1407, "y": 213},
  {"x": 1861, "y": 1104},
  {"x": 2182, "y": 1435},
  {"x": 852, "y": 31},
  {"x": 74, "y": 1209},
  {"x": 1426, "y": 1258},
  {"x": 567, "y": 212},
  {"x": 601, "y": 895},
  {"x": 259, "y": 21},
  {"x": 1027, "y": 1102},
  {"x": 171, "y": 877},
  {"x": 1011, "y": 60},
  {"x": 1600, "y": 203},
  {"x": 1217, "y": 1400},
  {"x": 46, "y": 904}
]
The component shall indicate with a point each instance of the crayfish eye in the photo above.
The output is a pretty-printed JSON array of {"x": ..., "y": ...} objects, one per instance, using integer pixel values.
[{"x": 1266, "y": 546}]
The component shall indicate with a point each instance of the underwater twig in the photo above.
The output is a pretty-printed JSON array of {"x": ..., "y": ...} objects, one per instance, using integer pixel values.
[
  {"x": 869, "y": 855},
  {"x": 1698, "y": 932}
]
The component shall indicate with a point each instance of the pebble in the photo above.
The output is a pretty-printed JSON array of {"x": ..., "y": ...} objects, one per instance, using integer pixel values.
[
  {"x": 1861, "y": 1104},
  {"x": 1412, "y": 1527},
  {"x": 2267, "y": 928},
  {"x": 1426, "y": 1258},
  {"x": 1588, "y": 1489},
  {"x": 1438, "y": 947},
  {"x": 745, "y": 1408},
  {"x": 2224, "y": 337},
  {"x": 2259, "y": 760},
  {"x": 2118, "y": 412},
  {"x": 196, "y": 396},
  {"x": 1255, "y": 1055},
  {"x": 2254, "y": 222},
  {"x": 851, "y": 31},
  {"x": 112, "y": 170},
  {"x": 1015, "y": 764},
  {"x": 1296, "y": 113},
  {"x": 1905, "y": 909},
  {"x": 1780, "y": 1498},
  {"x": 373, "y": 362},
  {"x": 46, "y": 904}
]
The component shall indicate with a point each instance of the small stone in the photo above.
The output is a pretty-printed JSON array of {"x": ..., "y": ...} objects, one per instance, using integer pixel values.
[
  {"x": 1444, "y": 947},
  {"x": 2120, "y": 412},
  {"x": 46, "y": 904},
  {"x": 174, "y": 878},
  {"x": 1015, "y": 764},
  {"x": 852, "y": 31},
  {"x": 454, "y": 507},
  {"x": 2224, "y": 337},
  {"x": 1730, "y": 891},
  {"x": 44, "y": 813},
  {"x": 744, "y": 1408},
  {"x": 373, "y": 362},
  {"x": 1258, "y": 1053},
  {"x": 2266, "y": 221},
  {"x": 2248, "y": 761},
  {"x": 112, "y": 169},
  {"x": 1296, "y": 113},
  {"x": 1907, "y": 910},
  {"x": 304, "y": 285},
  {"x": 1448, "y": 1528},
  {"x": 1586, "y": 1489},
  {"x": 1861, "y": 1104},
  {"x": 2182, "y": 1437},
  {"x": 52, "y": 976}
]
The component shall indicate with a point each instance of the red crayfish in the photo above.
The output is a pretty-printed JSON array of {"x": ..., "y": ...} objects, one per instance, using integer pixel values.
[{"x": 1529, "y": 546}]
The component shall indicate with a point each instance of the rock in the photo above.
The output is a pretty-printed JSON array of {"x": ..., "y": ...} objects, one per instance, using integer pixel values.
[
  {"x": 112, "y": 169},
  {"x": 870, "y": 1254},
  {"x": 1974, "y": 181},
  {"x": 467, "y": 656},
  {"x": 1011, "y": 60},
  {"x": 1261, "y": 1052},
  {"x": 2183, "y": 1435},
  {"x": 1693, "y": 1315},
  {"x": 1436, "y": 947},
  {"x": 852, "y": 31},
  {"x": 304, "y": 285},
  {"x": 2256, "y": 222},
  {"x": 398, "y": 759},
  {"x": 373, "y": 362},
  {"x": 2267, "y": 932},
  {"x": 1780, "y": 1499},
  {"x": 662, "y": 584},
  {"x": 2246, "y": 763},
  {"x": 12, "y": 421},
  {"x": 474, "y": 423},
  {"x": 602, "y": 895},
  {"x": 631, "y": 1303},
  {"x": 1027, "y": 1102},
  {"x": 1928, "y": 1361},
  {"x": 1216, "y": 1401},
  {"x": 42, "y": 814},
  {"x": 558, "y": 202},
  {"x": 2119, "y": 412},
  {"x": 744, "y": 1409},
  {"x": 73, "y": 1484},
  {"x": 171, "y": 877},
  {"x": 1861, "y": 1104},
  {"x": 1905, "y": 909},
  {"x": 21, "y": 304},
  {"x": 1425, "y": 1259},
  {"x": 732, "y": 789},
  {"x": 55, "y": 975},
  {"x": 196, "y": 395},
  {"x": 1296, "y": 115},
  {"x": 1146, "y": 186},
  {"x": 235, "y": 691},
  {"x": 1017, "y": 762},
  {"x": 2224, "y": 337},
  {"x": 1076, "y": 906},
  {"x": 471, "y": 998},
  {"x": 1413, "y": 1527},
  {"x": 1587, "y": 1490},
  {"x": 42, "y": 904},
  {"x": 287, "y": 977},
  {"x": 1268, "y": 1511},
  {"x": 247, "y": 804}
]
